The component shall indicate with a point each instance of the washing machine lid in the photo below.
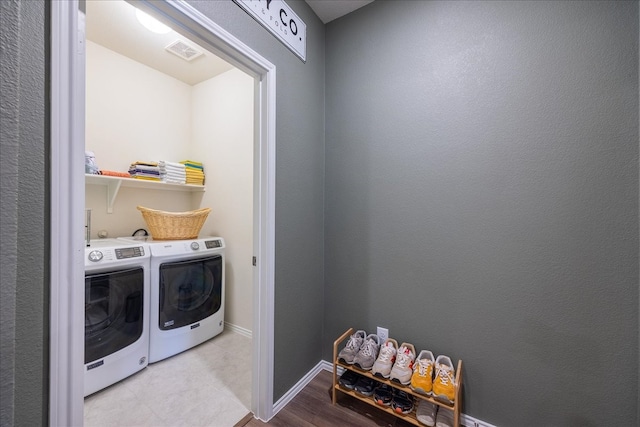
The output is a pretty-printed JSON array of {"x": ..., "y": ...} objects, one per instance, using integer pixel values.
[{"x": 104, "y": 243}]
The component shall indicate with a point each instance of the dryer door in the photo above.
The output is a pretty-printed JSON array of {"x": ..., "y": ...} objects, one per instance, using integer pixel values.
[
  {"x": 190, "y": 291},
  {"x": 113, "y": 311}
]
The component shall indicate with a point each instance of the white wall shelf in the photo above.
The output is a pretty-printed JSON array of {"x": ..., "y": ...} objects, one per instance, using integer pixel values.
[{"x": 113, "y": 184}]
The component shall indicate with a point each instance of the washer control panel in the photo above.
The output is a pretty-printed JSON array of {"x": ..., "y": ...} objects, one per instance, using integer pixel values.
[
  {"x": 130, "y": 252},
  {"x": 97, "y": 255},
  {"x": 212, "y": 244}
]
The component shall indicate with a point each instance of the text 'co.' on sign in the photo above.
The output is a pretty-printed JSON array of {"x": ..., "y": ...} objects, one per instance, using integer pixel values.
[{"x": 277, "y": 17}]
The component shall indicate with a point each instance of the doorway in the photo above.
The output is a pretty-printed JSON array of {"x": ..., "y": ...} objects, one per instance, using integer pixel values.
[{"x": 67, "y": 136}]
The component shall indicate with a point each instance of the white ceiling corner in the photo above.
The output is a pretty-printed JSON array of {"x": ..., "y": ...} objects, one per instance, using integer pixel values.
[{"x": 328, "y": 10}]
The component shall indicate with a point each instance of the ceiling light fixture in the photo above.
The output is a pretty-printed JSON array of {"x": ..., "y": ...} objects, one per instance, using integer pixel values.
[{"x": 151, "y": 23}]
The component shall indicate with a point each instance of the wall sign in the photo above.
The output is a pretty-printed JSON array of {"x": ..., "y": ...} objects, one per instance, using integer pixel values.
[{"x": 277, "y": 17}]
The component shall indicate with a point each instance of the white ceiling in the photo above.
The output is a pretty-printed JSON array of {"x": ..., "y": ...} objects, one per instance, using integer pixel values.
[
  {"x": 113, "y": 24},
  {"x": 328, "y": 10}
]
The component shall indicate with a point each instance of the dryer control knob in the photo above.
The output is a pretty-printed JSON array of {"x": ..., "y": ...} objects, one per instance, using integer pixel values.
[
  {"x": 195, "y": 246},
  {"x": 95, "y": 256}
]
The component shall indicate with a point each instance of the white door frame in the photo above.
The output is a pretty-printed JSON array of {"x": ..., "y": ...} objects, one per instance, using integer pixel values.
[{"x": 67, "y": 200}]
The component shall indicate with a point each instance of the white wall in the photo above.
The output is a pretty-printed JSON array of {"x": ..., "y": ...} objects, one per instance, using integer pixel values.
[
  {"x": 222, "y": 130},
  {"x": 137, "y": 113},
  {"x": 134, "y": 112}
]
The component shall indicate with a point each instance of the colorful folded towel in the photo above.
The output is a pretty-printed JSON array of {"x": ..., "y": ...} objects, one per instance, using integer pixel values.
[{"x": 114, "y": 173}]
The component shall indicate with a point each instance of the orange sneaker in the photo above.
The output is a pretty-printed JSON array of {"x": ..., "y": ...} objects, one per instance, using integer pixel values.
[
  {"x": 422, "y": 378},
  {"x": 444, "y": 385}
]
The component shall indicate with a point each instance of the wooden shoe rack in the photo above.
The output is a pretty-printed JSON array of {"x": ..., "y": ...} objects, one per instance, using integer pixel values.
[{"x": 411, "y": 417}]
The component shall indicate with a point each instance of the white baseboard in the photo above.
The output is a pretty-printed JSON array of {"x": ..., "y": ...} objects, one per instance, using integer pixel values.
[
  {"x": 238, "y": 330},
  {"x": 468, "y": 421},
  {"x": 465, "y": 420},
  {"x": 297, "y": 388}
]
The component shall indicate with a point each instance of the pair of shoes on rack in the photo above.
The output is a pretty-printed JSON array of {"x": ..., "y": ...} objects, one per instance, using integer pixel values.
[
  {"x": 400, "y": 401},
  {"x": 348, "y": 379},
  {"x": 444, "y": 418},
  {"x": 426, "y": 413},
  {"x": 361, "y": 350},
  {"x": 422, "y": 379},
  {"x": 395, "y": 363},
  {"x": 444, "y": 383},
  {"x": 365, "y": 386},
  {"x": 359, "y": 383}
]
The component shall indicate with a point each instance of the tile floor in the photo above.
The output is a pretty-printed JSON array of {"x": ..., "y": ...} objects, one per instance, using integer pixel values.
[{"x": 208, "y": 385}]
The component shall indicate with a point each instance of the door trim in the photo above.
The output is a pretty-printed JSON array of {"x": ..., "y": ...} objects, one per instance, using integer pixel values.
[{"x": 67, "y": 200}]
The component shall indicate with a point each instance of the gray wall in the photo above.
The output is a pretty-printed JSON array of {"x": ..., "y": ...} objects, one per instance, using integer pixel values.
[
  {"x": 299, "y": 186},
  {"x": 482, "y": 198},
  {"x": 23, "y": 293},
  {"x": 299, "y": 200}
]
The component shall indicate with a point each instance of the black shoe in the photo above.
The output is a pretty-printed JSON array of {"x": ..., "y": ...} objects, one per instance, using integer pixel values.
[
  {"x": 365, "y": 386},
  {"x": 402, "y": 402},
  {"x": 348, "y": 379},
  {"x": 383, "y": 395}
]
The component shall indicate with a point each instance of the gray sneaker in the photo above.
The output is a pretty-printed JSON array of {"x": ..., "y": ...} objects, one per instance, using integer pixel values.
[
  {"x": 348, "y": 353},
  {"x": 368, "y": 353}
]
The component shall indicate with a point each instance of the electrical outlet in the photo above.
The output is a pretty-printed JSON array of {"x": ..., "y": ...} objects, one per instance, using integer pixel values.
[{"x": 383, "y": 334}]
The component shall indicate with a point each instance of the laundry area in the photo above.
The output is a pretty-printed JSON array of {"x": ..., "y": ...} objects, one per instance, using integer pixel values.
[{"x": 169, "y": 234}]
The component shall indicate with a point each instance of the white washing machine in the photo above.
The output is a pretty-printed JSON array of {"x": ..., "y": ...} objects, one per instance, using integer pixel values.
[
  {"x": 116, "y": 321},
  {"x": 187, "y": 293}
]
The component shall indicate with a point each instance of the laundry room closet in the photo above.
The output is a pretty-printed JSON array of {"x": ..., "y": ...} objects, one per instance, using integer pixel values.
[{"x": 146, "y": 104}]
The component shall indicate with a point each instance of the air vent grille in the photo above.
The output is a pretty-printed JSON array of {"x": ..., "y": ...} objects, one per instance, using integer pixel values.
[{"x": 183, "y": 50}]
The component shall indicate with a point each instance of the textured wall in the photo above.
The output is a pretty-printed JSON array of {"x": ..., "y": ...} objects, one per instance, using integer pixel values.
[
  {"x": 23, "y": 293},
  {"x": 299, "y": 186},
  {"x": 299, "y": 199},
  {"x": 482, "y": 197}
]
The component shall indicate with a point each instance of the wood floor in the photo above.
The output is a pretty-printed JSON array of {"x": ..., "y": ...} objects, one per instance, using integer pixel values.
[{"x": 312, "y": 408}]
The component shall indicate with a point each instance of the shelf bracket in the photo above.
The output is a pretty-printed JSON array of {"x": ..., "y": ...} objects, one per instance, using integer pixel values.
[{"x": 112, "y": 191}]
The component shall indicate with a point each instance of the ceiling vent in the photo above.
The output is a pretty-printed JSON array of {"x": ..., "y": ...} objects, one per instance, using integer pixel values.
[{"x": 183, "y": 50}]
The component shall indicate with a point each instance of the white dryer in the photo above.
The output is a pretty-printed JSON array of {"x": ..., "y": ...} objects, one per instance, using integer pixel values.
[
  {"x": 187, "y": 293},
  {"x": 117, "y": 285}
]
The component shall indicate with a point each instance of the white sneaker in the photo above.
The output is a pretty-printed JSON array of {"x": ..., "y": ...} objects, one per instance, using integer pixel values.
[
  {"x": 382, "y": 367},
  {"x": 348, "y": 353},
  {"x": 426, "y": 412},
  {"x": 403, "y": 368},
  {"x": 444, "y": 418}
]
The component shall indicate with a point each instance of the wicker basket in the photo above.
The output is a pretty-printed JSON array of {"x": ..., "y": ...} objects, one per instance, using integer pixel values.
[{"x": 174, "y": 225}]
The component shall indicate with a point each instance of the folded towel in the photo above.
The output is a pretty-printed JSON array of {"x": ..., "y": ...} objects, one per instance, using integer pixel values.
[
  {"x": 172, "y": 168},
  {"x": 191, "y": 162},
  {"x": 169, "y": 165},
  {"x": 145, "y": 163},
  {"x": 148, "y": 178},
  {"x": 153, "y": 169},
  {"x": 114, "y": 173},
  {"x": 174, "y": 181},
  {"x": 173, "y": 175}
]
